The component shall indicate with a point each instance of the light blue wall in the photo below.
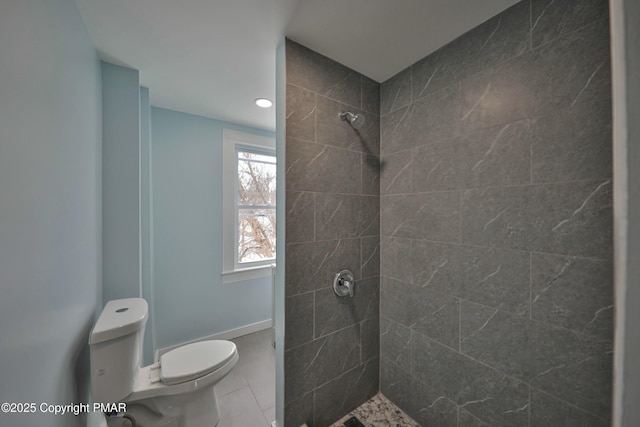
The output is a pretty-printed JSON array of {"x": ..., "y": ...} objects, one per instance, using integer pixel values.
[
  {"x": 190, "y": 299},
  {"x": 120, "y": 182},
  {"x": 50, "y": 275}
]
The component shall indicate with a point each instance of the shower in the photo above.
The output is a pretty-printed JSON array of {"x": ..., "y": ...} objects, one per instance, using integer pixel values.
[{"x": 355, "y": 120}]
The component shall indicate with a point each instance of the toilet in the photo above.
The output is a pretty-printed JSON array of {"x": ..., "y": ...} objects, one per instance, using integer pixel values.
[{"x": 177, "y": 390}]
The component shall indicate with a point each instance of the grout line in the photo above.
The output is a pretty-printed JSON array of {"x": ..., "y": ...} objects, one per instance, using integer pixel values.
[
  {"x": 460, "y": 325},
  {"x": 535, "y": 321},
  {"x": 500, "y": 373},
  {"x": 529, "y": 408},
  {"x": 501, "y": 248},
  {"x": 530, "y": 285},
  {"x": 530, "y": 25},
  {"x": 460, "y": 215},
  {"x": 497, "y": 187},
  {"x": 315, "y": 117},
  {"x": 313, "y": 194},
  {"x": 332, "y": 99}
]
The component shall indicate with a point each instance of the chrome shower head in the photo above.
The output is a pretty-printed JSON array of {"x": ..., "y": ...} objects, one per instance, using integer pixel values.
[{"x": 355, "y": 120}]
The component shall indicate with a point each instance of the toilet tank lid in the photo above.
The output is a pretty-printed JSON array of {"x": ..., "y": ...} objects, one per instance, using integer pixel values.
[{"x": 119, "y": 318}]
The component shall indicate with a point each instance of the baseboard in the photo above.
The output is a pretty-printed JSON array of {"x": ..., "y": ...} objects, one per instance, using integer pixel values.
[{"x": 225, "y": 335}]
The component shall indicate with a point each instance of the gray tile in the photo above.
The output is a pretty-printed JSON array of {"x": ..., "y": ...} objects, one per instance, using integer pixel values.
[
  {"x": 395, "y": 92},
  {"x": 301, "y": 113},
  {"x": 470, "y": 420},
  {"x": 498, "y": 96},
  {"x": 572, "y": 218},
  {"x": 415, "y": 397},
  {"x": 300, "y": 217},
  {"x": 333, "y": 312},
  {"x": 240, "y": 409},
  {"x": 440, "y": 69},
  {"x": 368, "y": 219},
  {"x": 331, "y": 130},
  {"x": 312, "y": 364},
  {"x": 347, "y": 91},
  {"x": 255, "y": 371},
  {"x": 396, "y": 173},
  {"x": 551, "y": 19},
  {"x": 433, "y": 216},
  {"x": 501, "y": 37},
  {"x": 560, "y": 362},
  {"x": 432, "y": 118},
  {"x": 322, "y": 75},
  {"x": 437, "y": 166},
  {"x": 575, "y": 293},
  {"x": 395, "y": 258},
  {"x": 370, "y": 338},
  {"x": 317, "y": 167},
  {"x": 574, "y": 144},
  {"x": 495, "y": 277},
  {"x": 312, "y": 265},
  {"x": 300, "y": 330},
  {"x": 255, "y": 347},
  {"x": 232, "y": 382},
  {"x": 498, "y": 156},
  {"x": 482, "y": 391},
  {"x": 436, "y": 117},
  {"x": 396, "y": 133},
  {"x": 270, "y": 414},
  {"x": 371, "y": 174},
  {"x": 440, "y": 318},
  {"x": 370, "y": 95},
  {"x": 431, "y": 313},
  {"x": 299, "y": 411},
  {"x": 573, "y": 69},
  {"x": 370, "y": 253},
  {"x": 395, "y": 342},
  {"x": 343, "y": 215},
  {"x": 345, "y": 393},
  {"x": 261, "y": 377},
  {"x": 489, "y": 157},
  {"x": 336, "y": 216},
  {"x": 547, "y": 411}
]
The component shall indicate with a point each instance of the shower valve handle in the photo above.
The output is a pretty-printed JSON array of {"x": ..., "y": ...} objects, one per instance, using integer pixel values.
[{"x": 343, "y": 283}]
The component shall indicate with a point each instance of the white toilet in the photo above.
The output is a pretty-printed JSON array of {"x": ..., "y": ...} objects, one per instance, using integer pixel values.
[{"x": 176, "y": 390}]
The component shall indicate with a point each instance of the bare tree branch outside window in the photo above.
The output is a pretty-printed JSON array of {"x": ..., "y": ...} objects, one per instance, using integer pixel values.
[{"x": 256, "y": 207}]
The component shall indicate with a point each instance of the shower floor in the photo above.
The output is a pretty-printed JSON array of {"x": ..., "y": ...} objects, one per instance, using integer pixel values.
[{"x": 379, "y": 412}]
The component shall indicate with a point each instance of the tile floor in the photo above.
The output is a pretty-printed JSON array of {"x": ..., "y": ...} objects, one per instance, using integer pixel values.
[{"x": 246, "y": 397}]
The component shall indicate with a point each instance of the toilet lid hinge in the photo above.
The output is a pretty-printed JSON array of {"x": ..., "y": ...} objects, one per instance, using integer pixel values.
[{"x": 154, "y": 373}]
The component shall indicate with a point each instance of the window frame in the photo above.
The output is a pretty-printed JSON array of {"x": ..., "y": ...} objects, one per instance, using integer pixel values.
[
  {"x": 231, "y": 139},
  {"x": 240, "y": 147}
]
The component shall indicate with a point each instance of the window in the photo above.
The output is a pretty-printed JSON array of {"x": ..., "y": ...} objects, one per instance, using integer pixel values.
[
  {"x": 249, "y": 205},
  {"x": 255, "y": 206}
]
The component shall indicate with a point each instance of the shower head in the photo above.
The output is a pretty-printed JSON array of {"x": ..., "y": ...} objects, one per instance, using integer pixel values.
[{"x": 355, "y": 120}]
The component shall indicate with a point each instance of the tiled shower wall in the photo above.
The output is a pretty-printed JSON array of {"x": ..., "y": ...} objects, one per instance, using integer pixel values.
[
  {"x": 333, "y": 223},
  {"x": 496, "y": 224}
]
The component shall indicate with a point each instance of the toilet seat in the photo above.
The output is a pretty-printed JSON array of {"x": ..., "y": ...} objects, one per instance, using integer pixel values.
[{"x": 194, "y": 360}]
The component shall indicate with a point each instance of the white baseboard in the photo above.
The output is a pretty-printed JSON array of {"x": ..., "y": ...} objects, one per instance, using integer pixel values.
[{"x": 225, "y": 335}]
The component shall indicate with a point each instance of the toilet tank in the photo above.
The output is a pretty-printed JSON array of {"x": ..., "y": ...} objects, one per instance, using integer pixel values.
[{"x": 115, "y": 346}]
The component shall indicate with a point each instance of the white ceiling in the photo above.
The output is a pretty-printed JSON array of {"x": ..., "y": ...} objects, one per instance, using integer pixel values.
[{"x": 214, "y": 57}]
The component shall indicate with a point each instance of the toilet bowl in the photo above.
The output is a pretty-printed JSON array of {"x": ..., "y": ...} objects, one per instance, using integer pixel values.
[{"x": 176, "y": 390}]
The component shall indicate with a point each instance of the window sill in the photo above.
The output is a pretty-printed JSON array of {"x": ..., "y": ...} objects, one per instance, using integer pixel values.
[{"x": 249, "y": 273}]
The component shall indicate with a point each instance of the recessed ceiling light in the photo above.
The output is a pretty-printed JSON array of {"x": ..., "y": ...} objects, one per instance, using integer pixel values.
[{"x": 264, "y": 102}]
